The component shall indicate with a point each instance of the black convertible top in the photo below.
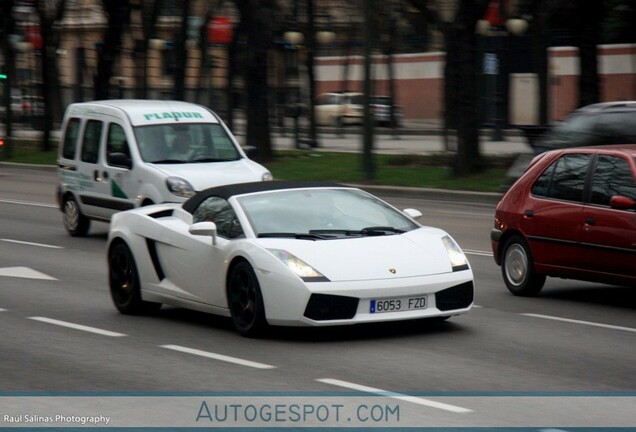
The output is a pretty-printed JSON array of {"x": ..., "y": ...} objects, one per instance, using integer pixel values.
[{"x": 228, "y": 191}]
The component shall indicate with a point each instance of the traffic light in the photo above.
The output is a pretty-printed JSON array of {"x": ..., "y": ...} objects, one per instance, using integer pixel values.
[{"x": 3, "y": 76}]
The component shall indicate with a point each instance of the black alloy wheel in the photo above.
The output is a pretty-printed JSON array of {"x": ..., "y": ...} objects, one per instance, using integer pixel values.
[
  {"x": 246, "y": 301},
  {"x": 123, "y": 277}
]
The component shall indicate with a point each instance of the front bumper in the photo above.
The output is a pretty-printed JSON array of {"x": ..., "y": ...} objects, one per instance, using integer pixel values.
[{"x": 341, "y": 303}]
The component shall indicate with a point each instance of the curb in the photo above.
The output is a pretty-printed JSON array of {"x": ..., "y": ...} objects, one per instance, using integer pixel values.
[
  {"x": 34, "y": 167},
  {"x": 448, "y": 195}
]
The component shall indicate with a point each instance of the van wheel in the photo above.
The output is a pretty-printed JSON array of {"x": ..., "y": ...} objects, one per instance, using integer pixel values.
[{"x": 74, "y": 221}]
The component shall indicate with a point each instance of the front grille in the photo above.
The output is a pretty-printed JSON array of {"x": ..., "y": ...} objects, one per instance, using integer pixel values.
[
  {"x": 457, "y": 297},
  {"x": 323, "y": 307}
]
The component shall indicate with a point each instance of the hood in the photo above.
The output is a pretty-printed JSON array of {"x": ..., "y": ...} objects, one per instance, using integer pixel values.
[
  {"x": 204, "y": 175},
  {"x": 416, "y": 253}
]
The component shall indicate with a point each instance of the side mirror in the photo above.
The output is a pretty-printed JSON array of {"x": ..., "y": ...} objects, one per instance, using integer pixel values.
[
  {"x": 251, "y": 152},
  {"x": 619, "y": 202},
  {"x": 412, "y": 213},
  {"x": 204, "y": 229},
  {"x": 119, "y": 159}
]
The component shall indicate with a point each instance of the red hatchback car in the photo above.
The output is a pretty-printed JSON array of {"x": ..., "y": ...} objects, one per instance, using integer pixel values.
[{"x": 571, "y": 215}]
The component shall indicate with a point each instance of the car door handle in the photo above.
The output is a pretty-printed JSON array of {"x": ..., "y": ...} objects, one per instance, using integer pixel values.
[
  {"x": 528, "y": 213},
  {"x": 96, "y": 176},
  {"x": 590, "y": 221}
]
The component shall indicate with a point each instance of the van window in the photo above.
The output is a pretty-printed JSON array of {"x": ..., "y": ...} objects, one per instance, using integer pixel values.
[
  {"x": 70, "y": 138},
  {"x": 207, "y": 142},
  {"x": 90, "y": 143},
  {"x": 116, "y": 142}
]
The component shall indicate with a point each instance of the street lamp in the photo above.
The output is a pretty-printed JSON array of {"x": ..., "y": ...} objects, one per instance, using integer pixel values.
[
  {"x": 517, "y": 26},
  {"x": 296, "y": 39},
  {"x": 156, "y": 44},
  {"x": 491, "y": 68},
  {"x": 495, "y": 27}
]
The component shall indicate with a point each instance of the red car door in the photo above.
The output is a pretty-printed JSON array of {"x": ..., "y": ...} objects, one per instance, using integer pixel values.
[
  {"x": 609, "y": 234},
  {"x": 551, "y": 213}
]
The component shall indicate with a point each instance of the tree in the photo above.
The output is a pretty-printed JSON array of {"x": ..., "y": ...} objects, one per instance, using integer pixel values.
[
  {"x": 49, "y": 13},
  {"x": 618, "y": 25},
  {"x": 118, "y": 16},
  {"x": 258, "y": 17},
  {"x": 181, "y": 52},
  {"x": 583, "y": 20},
  {"x": 460, "y": 77},
  {"x": 6, "y": 28},
  {"x": 587, "y": 35},
  {"x": 149, "y": 12}
]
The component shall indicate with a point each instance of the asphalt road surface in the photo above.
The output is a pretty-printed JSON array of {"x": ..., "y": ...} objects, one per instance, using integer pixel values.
[{"x": 561, "y": 360}]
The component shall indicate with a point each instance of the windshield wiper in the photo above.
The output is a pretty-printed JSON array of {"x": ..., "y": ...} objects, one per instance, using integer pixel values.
[
  {"x": 210, "y": 159},
  {"x": 169, "y": 161},
  {"x": 368, "y": 231},
  {"x": 302, "y": 236},
  {"x": 378, "y": 231}
]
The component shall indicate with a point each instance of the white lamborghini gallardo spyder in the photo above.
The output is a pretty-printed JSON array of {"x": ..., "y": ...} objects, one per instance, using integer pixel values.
[{"x": 286, "y": 253}]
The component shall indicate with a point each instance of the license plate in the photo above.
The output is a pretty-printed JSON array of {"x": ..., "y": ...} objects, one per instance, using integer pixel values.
[{"x": 397, "y": 304}]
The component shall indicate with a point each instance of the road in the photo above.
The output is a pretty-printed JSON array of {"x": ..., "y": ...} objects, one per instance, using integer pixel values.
[{"x": 563, "y": 359}]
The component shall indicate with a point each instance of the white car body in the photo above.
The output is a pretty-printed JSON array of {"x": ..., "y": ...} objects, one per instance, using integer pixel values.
[{"x": 179, "y": 266}]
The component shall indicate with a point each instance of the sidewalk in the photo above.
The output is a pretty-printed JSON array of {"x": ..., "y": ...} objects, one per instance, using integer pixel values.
[{"x": 416, "y": 137}]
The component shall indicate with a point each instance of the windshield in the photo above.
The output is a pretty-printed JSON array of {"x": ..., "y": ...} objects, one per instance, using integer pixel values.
[
  {"x": 322, "y": 214},
  {"x": 185, "y": 143}
]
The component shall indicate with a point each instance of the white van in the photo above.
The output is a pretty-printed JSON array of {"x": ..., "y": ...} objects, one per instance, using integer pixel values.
[{"x": 115, "y": 155}]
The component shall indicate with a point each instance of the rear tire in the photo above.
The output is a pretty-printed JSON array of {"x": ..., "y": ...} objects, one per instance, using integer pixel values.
[
  {"x": 125, "y": 288},
  {"x": 246, "y": 301},
  {"x": 517, "y": 268},
  {"x": 75, "y": 222}
]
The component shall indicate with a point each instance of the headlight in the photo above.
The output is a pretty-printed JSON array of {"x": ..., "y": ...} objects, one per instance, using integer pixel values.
[
  {"x": 457, "y": 258},
  {"x": 298, "y": 266},
  {"x": 179, "y": 187},
  {"x": 267, "y": 176}
]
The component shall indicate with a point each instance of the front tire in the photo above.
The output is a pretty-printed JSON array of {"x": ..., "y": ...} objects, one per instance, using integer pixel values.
[
  {"x": 125, "y": 288},
  {"x": 246, "y": 301},
  {"x": 517, "y": 268},
  {"x": 75, "y": 222}
]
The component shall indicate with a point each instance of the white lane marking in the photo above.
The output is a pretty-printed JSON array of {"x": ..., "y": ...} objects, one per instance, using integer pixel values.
[
  {"x": 219, "y": 357},
  {"x": 573, "y": 321},
  {"x": 31, "y": 243},
  {"x": 487, "y": 215},
  {"x": 477, "y": 252},
  {"x": 2, "y": 310},
  {"x": 24, "y": 272},
  {"x": 77, "y": 326},
  {"x": 28, "y": 203},
  {"x": 399, "y": 396}
]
